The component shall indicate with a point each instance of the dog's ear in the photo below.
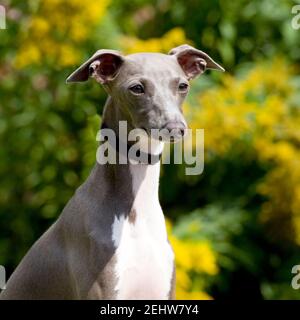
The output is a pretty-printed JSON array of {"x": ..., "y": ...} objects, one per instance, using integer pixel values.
[
  {"x": 193, "y": 61},
  {"x": 104, "y": 66}
]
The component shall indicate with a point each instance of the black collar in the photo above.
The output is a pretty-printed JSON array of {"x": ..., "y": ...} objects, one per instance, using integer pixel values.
[{"x": 141, "y": 157}]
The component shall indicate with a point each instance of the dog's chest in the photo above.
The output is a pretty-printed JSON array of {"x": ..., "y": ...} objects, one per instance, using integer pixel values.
[
  {"x": 144, "y": 259},
  {"x": 143, "y": 256}
]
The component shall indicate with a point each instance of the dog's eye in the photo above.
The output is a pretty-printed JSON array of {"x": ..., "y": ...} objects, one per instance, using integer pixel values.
[
  {"x": 183, "y": 87},
  {"x": 137, "y": 89}
]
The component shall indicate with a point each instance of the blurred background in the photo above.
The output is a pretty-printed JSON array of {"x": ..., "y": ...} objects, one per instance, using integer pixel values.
[{"x": 236, "y": 227}]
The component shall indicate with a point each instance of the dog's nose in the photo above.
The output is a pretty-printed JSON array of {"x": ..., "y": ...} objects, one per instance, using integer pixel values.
[{"x": 177, "y": 128}]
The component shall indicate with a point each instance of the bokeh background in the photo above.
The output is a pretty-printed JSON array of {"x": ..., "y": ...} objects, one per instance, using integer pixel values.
[{"x": 236, "y": 227}]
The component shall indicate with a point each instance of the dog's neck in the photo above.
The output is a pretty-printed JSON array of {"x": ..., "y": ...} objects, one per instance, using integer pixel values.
[{"x": 139, "y": 177}]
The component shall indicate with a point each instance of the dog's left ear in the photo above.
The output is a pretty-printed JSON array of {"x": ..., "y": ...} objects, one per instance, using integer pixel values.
[
  {"x": 104, "y": 66},
  {"x": 193, "y": 61}
]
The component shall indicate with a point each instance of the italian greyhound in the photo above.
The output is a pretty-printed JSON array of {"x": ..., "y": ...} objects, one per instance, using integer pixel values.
[{"x": 110, "y": 242}]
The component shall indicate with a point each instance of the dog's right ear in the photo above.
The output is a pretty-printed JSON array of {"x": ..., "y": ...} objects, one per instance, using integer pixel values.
[{"x": 104, "y": 66}]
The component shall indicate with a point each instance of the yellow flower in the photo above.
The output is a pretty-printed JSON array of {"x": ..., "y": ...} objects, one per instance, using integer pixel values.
[
  {"x": 67, "y": 56},
  {"x": 30, "y": 54},
  {"x": 284, "y": 151},
  {"x": 183, "y": 295},
  {"x": 203, "y": 258},
  {"x": 182, "y": 253},
  {"x": 171, "y": 39},
  {"x": 54, "y": 31},
  {"x": 193, "y": 259},
  {"x": 258, "y": 113},
  {"x": 39, "y": 26},
  {"x": 183, "y": 281}
]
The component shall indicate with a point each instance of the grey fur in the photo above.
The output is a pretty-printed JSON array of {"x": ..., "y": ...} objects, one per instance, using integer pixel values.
[{"x": 75, "y": 258}]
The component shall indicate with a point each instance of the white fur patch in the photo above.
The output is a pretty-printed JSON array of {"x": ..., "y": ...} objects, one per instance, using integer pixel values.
[
  {"x": 117, "y": 230},
  {"x": 144, "y": 257}
]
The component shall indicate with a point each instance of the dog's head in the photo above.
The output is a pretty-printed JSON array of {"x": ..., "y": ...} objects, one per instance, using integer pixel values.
[{"x": 150, "y": 87}]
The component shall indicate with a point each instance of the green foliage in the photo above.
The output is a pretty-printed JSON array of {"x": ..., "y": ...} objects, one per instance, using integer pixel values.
[{"x": 238, "y": 30}]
